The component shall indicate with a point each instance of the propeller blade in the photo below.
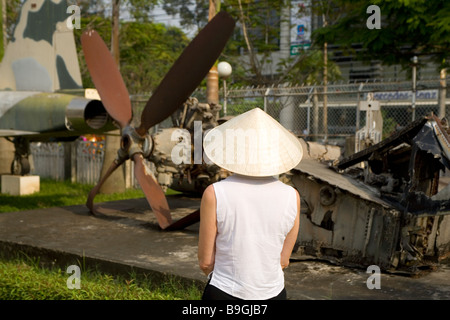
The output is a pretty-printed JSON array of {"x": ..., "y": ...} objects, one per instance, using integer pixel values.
[
  {"x": 185, "y": 222},
  {"x": 188, "y": 71},
  {"x": 106, "y": 77},
  {"x": 153, "y": 192},
  {"x": 90, "y": 201}
]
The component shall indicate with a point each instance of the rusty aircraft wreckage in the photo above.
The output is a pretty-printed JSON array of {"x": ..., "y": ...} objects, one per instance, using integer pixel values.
[{"x": 383, "y": 205}]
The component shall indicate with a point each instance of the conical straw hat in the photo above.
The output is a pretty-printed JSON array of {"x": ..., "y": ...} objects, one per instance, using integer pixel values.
[{"x": 253, "y": 144}]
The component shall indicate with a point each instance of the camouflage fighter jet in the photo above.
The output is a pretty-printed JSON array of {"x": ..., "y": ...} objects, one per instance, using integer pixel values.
[
  {"x": 40, "y": 73},
  {"x": 41, "y": 94}
]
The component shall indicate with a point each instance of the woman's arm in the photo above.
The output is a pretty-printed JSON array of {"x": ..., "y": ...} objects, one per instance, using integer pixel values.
[
  {"x": 208, "y": 231},
  {"x": 291, "y": 237}
]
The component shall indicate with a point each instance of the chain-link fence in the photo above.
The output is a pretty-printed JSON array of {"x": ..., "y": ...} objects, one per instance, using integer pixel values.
[
  {"x": 299, "y": 109},
  {"x": 138, "y": 103},
  {"x": 332, "y": 111}
]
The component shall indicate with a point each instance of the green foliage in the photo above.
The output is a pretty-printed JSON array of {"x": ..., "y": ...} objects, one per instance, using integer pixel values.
[
  {"x": 389, "y": 124},
  {"x": 408, "y": 28},
  {"x": 192, "y": 12},
  {"x": 13, "y": 8},
  {"x": 261, "y": 17},
  {"x": 147, "y": 51},
  {"x": 140, "y": 9},
  {"x": 1, "y": 34},
  {"x": 308, "y": 69},
  {"x": 238, "y": 108},
  {"x": 12, "y": 13},
  {"x": 262, "y": 21}
]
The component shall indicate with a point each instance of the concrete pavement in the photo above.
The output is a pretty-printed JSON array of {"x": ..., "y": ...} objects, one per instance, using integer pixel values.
[{"x": 128, "y": 238}]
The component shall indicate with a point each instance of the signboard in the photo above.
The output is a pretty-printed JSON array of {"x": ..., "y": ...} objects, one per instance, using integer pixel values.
[
  {"x": 406, "y": 95},
  {"x": 300, "y": 21},
  {"x": 295, "y": 49}
]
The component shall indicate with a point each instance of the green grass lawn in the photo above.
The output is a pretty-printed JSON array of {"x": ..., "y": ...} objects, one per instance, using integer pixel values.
[
  {"x": 60, "y": 193},
  {"x": 24, "y": 278}
]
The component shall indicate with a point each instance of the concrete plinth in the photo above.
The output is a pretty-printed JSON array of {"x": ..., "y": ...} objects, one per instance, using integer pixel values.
[{"x": 20, "y": 185}]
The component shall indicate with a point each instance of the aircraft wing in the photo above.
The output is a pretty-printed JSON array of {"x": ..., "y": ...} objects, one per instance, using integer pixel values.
[{"x": 14, "y": 133}]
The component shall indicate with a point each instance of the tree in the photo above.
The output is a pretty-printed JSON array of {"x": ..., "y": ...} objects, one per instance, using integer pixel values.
[
  {"x": 192, "y": 12},
  {"x": 257, "y": 38},
  {"x": 408, "y": 28},
  {"x": 9, "y": 13},
  {"x": 140, "y": 9},
  {"x": 3, "y": 24},
  {"x": 308, "y": 69},
  {"x": 257, "y": 34},
  {"x": 147, "y": 51}
]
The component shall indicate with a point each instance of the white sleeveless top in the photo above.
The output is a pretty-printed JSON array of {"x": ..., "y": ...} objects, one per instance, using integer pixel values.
[{"x": 254, "y": 215}]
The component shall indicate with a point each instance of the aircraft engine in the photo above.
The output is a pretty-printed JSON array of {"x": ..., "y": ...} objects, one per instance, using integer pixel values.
[
  {"x": 87, "y": 115},
  {"x": 178, "y": 151},
  {"x": 166, "y": 141}
]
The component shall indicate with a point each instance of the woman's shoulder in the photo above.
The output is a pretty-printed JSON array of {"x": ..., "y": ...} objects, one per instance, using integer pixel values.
[{"x": 209, "y": 191}]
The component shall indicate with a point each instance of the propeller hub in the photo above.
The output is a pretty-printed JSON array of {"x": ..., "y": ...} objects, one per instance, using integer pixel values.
[{"x": 132, "y": 143}]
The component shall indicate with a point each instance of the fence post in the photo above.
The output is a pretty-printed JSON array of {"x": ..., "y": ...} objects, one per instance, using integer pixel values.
[
  {"x": 308, "y": 114},
  {"x": 266, "y": 93},
  {"x": 414, "y": 82},
  {"x": 361, "y": 86},
  {"x": 325, "y": 112},
  {"x": 315, "y": 114},
  {"x": 442, "y": 92}
]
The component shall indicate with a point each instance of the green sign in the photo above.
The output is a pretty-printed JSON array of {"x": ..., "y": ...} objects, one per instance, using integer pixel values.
[{"x": 296, "y": 48}]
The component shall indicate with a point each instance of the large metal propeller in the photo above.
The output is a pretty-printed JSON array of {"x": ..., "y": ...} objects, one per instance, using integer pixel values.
[{"x": 136, "y": 144}]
